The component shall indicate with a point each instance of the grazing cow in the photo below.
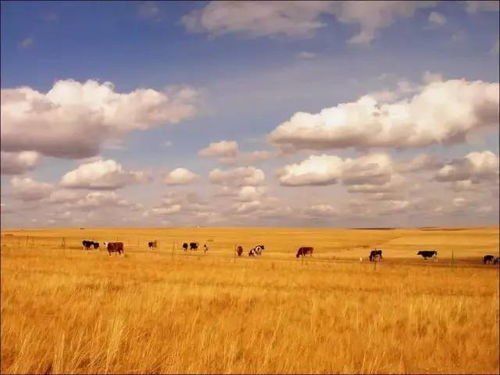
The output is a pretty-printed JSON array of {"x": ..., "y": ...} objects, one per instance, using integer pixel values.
[
  {"x": 257, "y": 250},
  {"x": 303, "y": 251},
  {"x": 427, "y": 253},
  {"x": 115, "y": 247},
  {"x": 152, "y": 244},
  {"x": 193, "y": 245},
  {"x": 185, "y": 246},
  {"x": 239, "y": 250},
  {"x": 489, "y": 259},
  {"x": 375, "y": 255}
]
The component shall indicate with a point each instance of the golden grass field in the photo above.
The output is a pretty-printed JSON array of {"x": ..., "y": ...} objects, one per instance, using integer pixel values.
[{"x": 66, "y": 310}]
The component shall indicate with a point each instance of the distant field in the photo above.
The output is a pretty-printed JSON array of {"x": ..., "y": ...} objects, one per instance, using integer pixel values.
[{"x": 66, "y": 310}]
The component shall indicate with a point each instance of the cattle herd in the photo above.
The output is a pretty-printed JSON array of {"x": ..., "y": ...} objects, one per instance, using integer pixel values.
[{"x": 375, "y": 254}]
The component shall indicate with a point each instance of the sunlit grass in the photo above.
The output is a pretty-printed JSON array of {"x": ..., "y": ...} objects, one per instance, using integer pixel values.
[{"x": 167, "y": 311}]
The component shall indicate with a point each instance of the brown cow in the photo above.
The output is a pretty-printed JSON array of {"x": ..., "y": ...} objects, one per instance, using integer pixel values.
[
  {"x": 303, "y": 251},
  {"x": 239, "y": 250},
  {"x": 116, "y": 247}
]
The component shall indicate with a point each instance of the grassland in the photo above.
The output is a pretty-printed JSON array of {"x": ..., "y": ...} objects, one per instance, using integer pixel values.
[{"x": 65, "y": 310}]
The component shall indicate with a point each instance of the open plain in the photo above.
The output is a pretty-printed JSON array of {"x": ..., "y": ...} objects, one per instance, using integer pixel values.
[{"x": 67, "y": 310}]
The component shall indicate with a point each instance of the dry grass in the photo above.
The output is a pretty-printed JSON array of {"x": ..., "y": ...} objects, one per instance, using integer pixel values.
[{"x": 164, "y": 311}]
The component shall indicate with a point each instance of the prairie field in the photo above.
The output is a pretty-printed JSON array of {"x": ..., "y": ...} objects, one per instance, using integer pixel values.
[{"x": 66, "y": 310}]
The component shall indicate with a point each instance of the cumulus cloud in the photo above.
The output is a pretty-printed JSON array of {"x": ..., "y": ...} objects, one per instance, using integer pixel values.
[
  {"x": 227, "y": 152},
  {"x": 475, "y": 167},
  {"x": 19, "y": 162},
  {"x": 73, "y": 119},
  {"x": 223, "y": 150},
  {"x": 101, "y": 174},
  {"x": 297, "y": 18},
  {"x": 241, "y": 176},
  {"x": 180, "y": 176},
  {"x": 442, "y": 112},
  {"x": 27, "y": 189},
  {"x": 250, "y": 193},
  {"x": 373, "y": 169}
]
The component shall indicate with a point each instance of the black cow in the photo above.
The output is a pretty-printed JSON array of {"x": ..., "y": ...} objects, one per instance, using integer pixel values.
[
  {"x": 303, "y": 251},
  {"x": 375, "y": 255},
  {"x": 239, "y": 250},
  {"x": 193, "y": 245},
  {"x": 489, "y": 259},
  {"x": 96, "y": 245},
  {"x": 116, "y": 247},
  {"x": 427, "y": 253},
  {"x": 185, "y": 246},
  {"x": 152, "y": 244}
]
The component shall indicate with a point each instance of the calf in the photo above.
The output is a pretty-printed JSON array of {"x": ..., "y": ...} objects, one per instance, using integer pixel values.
[
  {"x": 427, "y": 253},
  {"x": 303, "y": 251},
  {"x": 115, "y": 247}
]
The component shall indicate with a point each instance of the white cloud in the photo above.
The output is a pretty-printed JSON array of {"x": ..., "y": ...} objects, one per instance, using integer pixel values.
[
  {"x": 101, "y": 174},
  {"x": 374, "y": 169},
  {"x": 475, "y": 166},
  {"x": 222, "y": 149},
  {"x": 19, "y": 162},
  {"x": 180, "y": 176},
  {"x": 482, "y": 6},
  {"x": 297, "y": 18},
  {"x": 27, "y": 189},
  {"x": 250, "y": 193},
  {"x": 241, "y": 176},
  {"x": 436, "y": 19},
  {"x": 442, "y": 112},
  {"x": 315, "y": 170},
  {"x": 73, "y": 119}
]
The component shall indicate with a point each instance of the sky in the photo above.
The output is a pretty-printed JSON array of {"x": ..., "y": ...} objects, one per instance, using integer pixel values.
[{"x": 310, "y": 114}]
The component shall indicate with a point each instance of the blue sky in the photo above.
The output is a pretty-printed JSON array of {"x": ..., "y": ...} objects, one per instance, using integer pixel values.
[{"x": 249, "y": 71}]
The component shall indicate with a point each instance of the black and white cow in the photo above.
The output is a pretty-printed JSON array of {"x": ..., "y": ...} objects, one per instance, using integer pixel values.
[
  {"x": 193, "y": 245},
  {"x": 87, "y": 245},
  {"x": 257, "y": 250},
  {"x": 427, "y": 253}
]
